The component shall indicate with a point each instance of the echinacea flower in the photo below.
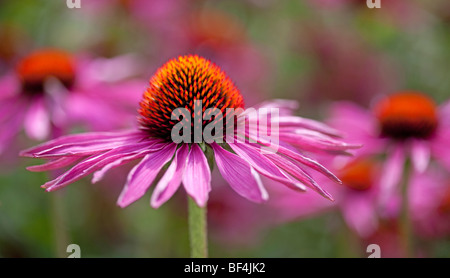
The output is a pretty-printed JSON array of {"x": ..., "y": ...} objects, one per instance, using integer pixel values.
[
  {"x": 50, "y": 90},
  {"x": 402, "y": 125},
  {"x": 187, "y": 82},
  {"x": 356, "y": 198}
]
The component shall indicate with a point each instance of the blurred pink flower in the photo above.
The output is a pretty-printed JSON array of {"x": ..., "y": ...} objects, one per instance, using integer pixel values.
[
  {"x": 356, "y": 199},
  {"x": 50, "y": 91},
  {"x": 177, "y": 84},
  {"x": 405, "y": 124},
  {"x": 429, "y": 203}
]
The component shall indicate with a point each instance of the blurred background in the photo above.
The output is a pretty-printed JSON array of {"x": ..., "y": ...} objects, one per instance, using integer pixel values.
[{"x": 313, "y": 51}]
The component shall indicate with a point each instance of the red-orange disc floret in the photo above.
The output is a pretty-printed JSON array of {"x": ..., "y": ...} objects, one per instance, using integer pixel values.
[
  {"x": 36, "y": 68},
  {"x": 358, "y": 175},
  {"x": 407, "y": 114},
  {"x": 177, "y": 84}
]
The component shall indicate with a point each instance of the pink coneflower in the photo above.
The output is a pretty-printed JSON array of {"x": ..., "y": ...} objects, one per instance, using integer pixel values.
[
  {"x": 402, "y": 125},
  {"x": 50, "y": 90},
  {"x": 356, "y": 199},
  {"x": 178, "y": 83}
]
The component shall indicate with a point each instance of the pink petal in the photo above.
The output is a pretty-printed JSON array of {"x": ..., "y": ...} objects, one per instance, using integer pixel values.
[
  {"x": 170, "y": 182},
  {"x": 358, "y": 126},
  {"x": 308, "y": 162},
  {"x": 299, "y": 174},
  {"x": 83, "y": 144},
  {"x": 391, "y": 174},
  {"x": 10, "y": 124},
  {"x": 197, "y": 176},
  {"x": 359, "y": 213},
  {"x": 142, "y": 175},
  {"x": 350, "y": 118},
  {"x": 420, "y": 155},
  {"x": 299, "y": 122},
  {"x": 264, "y": 165},
  {"x": 239, "y": 175},
  {"x": 54, "y": 164},
  {"x": 137, "y": 153},
  {"x": 315, "y": 142},
  {"x": 94, "y": 163},
  {"x": 37, "y": 120}
]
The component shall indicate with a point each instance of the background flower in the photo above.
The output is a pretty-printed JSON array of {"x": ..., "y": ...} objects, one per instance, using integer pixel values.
[
  {"x": 281, "y": 52},
  {"x": 49, "y": 91}
]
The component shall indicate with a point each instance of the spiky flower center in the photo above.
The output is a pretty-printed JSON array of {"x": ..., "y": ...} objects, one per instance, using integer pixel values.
[
  {"x": 358, "y": 175},
  {"x": 178, "y": 84},
  {"x": 407, "y": 114},
  {"x": 39, "y": 66}
]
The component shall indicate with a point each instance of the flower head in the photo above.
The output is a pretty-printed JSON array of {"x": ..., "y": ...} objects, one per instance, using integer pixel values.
[
  {"x": 407, "y": 115},
  {"x": 405, "y": 124},
  {"x": 240, "y": 159},
  {"x": 35, "y": 69},
  {"x": 178, "y": 84},
  {"x": 50, "y": 90}
]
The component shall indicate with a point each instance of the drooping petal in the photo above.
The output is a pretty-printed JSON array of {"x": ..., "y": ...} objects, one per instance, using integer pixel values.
[
  {"x": 299, "y": 174},
  {"x": 359, "y": 212},
  {"x": 142, "y": 175},
  {"x": 313, "y": 141},
  {"x": 391, "y": 173},
  {"x": 140, "y": 149},
  {"x": 264, "y": 165},
  {"x": 299, "y": 122},
  {"x": 239, "y": 175},
  {"x": 171, "y": 180},
  {"x": 94, "y": 163},
  {"x": 10, "y": 124},
  {"x": 420, "y": 155},
  {"x": 37, "y": 120},
  {"x": 308, "y": 162},
  {"x": 197, "y": 176},
  {"x": 54, "y": 164},
  {"x": 83, "y": 144}
]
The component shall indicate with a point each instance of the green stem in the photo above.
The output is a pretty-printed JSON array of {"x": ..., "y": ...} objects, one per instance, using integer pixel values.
[
  {"x": 197, "y": 230},
  {"x": 59, "y": 228}
]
